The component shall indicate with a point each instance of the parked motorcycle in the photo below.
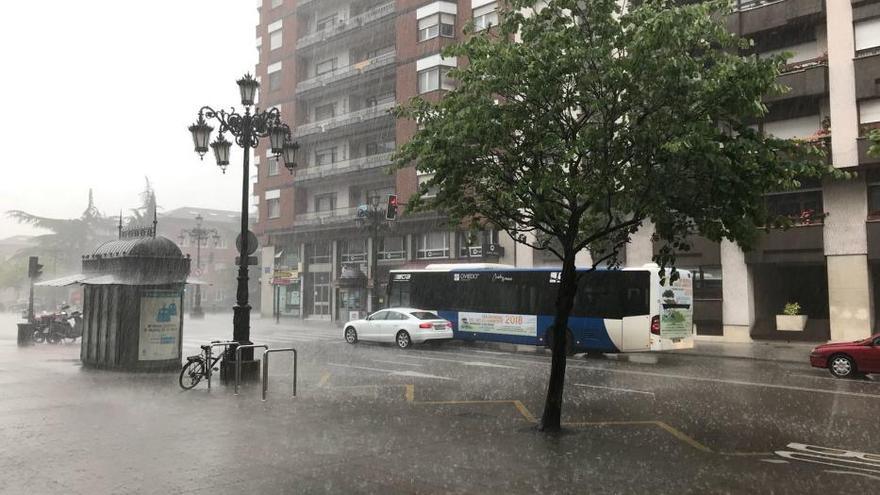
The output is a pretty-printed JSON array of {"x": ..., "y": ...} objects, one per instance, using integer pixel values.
[{"x": 56, "y": 327}]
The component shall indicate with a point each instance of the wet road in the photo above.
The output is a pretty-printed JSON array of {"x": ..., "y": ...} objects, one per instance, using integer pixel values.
[{"x": 448, "y": 418}]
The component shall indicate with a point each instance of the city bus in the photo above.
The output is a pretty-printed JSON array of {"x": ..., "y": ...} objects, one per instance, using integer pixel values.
[{"x": 615, "y": 310}]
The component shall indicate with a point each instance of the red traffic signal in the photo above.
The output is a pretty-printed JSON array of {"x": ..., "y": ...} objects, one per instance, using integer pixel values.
[{"x": 391, "y": 209}]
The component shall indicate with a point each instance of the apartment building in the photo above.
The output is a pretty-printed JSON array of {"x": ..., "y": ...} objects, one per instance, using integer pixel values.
[{"x": 334, "y": 68}]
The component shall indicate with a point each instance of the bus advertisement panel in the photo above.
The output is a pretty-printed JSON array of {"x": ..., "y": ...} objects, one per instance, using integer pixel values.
[
  {"x": 503, "y": 324},
  {"x": 676, "y": 314}
]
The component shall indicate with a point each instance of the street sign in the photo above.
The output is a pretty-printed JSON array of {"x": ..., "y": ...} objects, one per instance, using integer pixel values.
[
  {"x": 252, "y": 242},
  {"x": 251, "y": 260}
]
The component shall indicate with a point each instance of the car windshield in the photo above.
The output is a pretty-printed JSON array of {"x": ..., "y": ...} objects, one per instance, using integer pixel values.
[{"x": 425, "y": 315}]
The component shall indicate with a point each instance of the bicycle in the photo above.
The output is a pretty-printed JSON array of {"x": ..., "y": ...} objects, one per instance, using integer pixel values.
[{"x": 194, "y": 369}]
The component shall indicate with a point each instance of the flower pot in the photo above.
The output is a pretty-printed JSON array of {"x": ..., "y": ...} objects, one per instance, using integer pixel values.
[{"x": 791, "y": 323}]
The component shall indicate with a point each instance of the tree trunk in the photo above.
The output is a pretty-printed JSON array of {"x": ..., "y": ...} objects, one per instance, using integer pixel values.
[{"x": 551, "y": 419}]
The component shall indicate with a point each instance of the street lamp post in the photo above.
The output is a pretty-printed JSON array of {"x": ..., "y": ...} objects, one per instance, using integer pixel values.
[
  {"x": 248, "y": 129},
  {"x": 198, "y": 234}
]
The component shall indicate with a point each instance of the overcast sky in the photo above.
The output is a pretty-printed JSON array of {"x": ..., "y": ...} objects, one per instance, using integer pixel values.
[{"x": 99, "y": 93}]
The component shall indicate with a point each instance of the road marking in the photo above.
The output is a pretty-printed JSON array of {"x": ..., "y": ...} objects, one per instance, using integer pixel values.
[
  {"x": 849, "y": 459},
  {"x": 396, "y": 362},
  {"x": 836, "y": 380},
  {"x": 410, "y": 392},
  {"x": 616, "y": 389},
  {"x": 408, "y": 373},
  {"x": 481, "y": 364},
  {"x": 324, "y": 378},
  {"x": 729, "y": 382}
]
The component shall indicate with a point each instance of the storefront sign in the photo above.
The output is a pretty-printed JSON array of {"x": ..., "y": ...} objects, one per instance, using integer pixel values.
[
  {"x": 676, "y": 309},
  {"x": 159, "y": 325},
  {"x": 525, "y": 325}
]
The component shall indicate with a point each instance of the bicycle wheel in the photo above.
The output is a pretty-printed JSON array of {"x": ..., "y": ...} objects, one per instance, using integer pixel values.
[
  {"x": 191, "y": 374},
  {"x": 39, "y": 336}
]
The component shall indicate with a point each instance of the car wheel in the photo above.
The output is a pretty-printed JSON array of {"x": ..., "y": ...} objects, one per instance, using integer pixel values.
[
  {"x": 351, "y": 335},
  {"x": 842, "y": 366},
  {"x": 403, "y": 340}
]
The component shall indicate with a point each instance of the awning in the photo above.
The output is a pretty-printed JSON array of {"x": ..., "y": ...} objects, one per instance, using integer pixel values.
[{"x": 98, "y": 279}]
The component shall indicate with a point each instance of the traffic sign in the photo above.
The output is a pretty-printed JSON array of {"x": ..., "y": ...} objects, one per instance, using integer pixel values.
[
  {"x": 251, "y": 260},
  {"x": 252, "y": 243}
]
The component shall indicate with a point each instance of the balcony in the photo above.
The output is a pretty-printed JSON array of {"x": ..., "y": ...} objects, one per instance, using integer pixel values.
[
  {"x": 344, "y": 73},
  {"x": 753, "y": 16},
  {"x": 339, "y": 168},
  {"x": 799, "y": 244},
  {"x": 344, "y": 26},
  {"x": 867, "y": 71},
  {"x": 358, "y": 116},
  {"x": 806, "y": 78},
  {"x": 330, "y": 217},
  {"x": 864, "y": 158}
]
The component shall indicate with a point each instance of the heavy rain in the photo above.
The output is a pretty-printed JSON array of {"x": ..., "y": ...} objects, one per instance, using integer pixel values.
[{"x": 440, "y": 246}]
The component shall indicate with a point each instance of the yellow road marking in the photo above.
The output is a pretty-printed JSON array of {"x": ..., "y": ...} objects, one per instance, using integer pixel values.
[
  {"x": 324, "y": 379},
  {"x": 410, "y": 393}
]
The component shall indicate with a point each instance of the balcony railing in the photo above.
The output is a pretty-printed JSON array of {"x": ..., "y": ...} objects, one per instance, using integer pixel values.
[
  {"x": 750, "y": 4},
  {"x": 330, "y": 217},
  {"x": 347, "y": 72},
  {"x": 345, "y": 25},
  {"x": 345, "y": 119},
  {"x": 344, "y": 167}
]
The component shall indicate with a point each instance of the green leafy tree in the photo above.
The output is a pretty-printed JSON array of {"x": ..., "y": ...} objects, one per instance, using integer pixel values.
[
  {"x": 68, "y": 239},
  {"x": 573, "y": 125}
]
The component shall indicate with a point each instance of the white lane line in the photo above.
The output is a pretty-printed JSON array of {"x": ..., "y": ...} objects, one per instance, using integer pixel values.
[
  {"x": 396, "y": 362},
  {"x": 728, "y": 382},
  {"x": 616, "y": 389},
  {"x": 481, "y": 364},
  {"x": 415, "y": 374}
]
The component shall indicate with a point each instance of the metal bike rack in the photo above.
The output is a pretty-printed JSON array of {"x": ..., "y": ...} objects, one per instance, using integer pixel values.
[
  {"x": 210, "y": 353},
  {"x": 266, "y": 369},
  {"x": 238, "y": 361}
]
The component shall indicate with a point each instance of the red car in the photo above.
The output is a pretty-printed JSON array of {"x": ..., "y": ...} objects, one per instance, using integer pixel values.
[{"x": 848, "y": 359}]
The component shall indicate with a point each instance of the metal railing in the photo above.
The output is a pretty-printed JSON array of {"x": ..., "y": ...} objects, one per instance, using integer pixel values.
[
  {"x": 346, "y": 72},
  {"x": 343, "y": 26},
  {"x": 238, "y": 361},
  {"x": 209, "y": 355},
  {"x": 362, "y": 163},
  {"x": 325, "y": 217},
  {"x": 345, "y": 119},
  {"x": 266, "y": 369},
  {"x": 750, "y": 4}
]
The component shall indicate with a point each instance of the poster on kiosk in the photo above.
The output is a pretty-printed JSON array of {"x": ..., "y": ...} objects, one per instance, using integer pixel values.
[{"x": 159, "y": 325}]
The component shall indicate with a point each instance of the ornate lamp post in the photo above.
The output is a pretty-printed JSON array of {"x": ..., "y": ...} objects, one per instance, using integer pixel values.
[
  {"x": 247, "y": 129},
  {"x": 198, "y": 234}
]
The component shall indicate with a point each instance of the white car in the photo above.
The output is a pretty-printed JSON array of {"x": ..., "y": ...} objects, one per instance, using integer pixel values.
[{"x": 403, "y": 326}]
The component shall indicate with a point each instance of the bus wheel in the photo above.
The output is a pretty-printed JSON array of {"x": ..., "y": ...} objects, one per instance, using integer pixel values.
[{"x": 569, "y": 341}]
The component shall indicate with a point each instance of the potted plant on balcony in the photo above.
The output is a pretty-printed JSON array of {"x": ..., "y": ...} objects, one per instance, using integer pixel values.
[{"x": 791, "y": 319}]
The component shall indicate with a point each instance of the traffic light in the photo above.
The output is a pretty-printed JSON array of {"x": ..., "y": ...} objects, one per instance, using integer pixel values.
[
  {"x": 391, "y": 209},
  {"x": 35, "y": 269}
]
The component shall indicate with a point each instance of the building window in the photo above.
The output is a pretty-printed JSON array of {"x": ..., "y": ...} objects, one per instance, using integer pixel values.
[
  {"x": 325, "y": 156},
  {"x": 325, "y": 67},
  {"x": 273, "y": 203},
  {"x": 353, "y": 251},
  {"x": 435, "y": 78},
  {"x": 275, "y": 39},
  {"x": 276, "y": 3},
  {"x": 470, "y": 244},
  {"x": 486, "y": 16},
  {"x": 273, "y": 165},
  {"x": 867, "y": 36},
  {"x": 423, "y": 179},
  {"x": 392, "y": 248},
  {"x": 802, "y": 207},
  {"x": 432, "y": 245},
  {"x": 273, "y": 208},
  {"x": 437, "y": 25},
  {"x": 318, "y": 252},
  {"x": 274, "y": 71},
  {"x": 325, "y": 202},
  {"x": 324, "y": 112},
  {"x": 377, "y": 147},
  {"x": 326, "y": 22}
]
